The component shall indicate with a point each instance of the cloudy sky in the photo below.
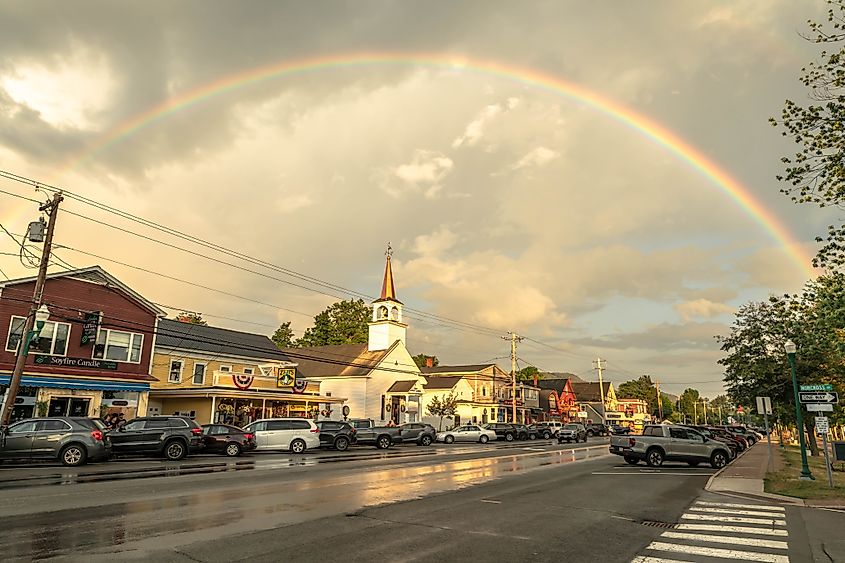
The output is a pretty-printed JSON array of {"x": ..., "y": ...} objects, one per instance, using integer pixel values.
[{"x": 511, "y": 205}]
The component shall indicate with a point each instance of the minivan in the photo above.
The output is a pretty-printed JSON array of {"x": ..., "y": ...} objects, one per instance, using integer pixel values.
[{"x": 294, "y": 434}]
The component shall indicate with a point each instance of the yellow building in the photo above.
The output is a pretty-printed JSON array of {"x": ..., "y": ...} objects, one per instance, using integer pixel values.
[
  {"x": 482, "y": 391},
  {"x": 218, "y": 375}
]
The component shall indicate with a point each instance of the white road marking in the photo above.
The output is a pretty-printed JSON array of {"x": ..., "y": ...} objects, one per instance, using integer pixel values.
[
  {"x": 491, "y": 501},
  {"x": 753, "y": 542},
  {"x": 534, "y": 449},
  {"x": 647, "y": 559},
  {"x": 739, "y": 512},
  {"x": 748, "y": 506},
  {"x": 737, "y": 519},
  {"x": 718, "y": 552},
  {"x": 733, "y": 529}
]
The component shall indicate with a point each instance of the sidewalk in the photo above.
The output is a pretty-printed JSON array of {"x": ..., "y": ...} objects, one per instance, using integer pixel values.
[{"x": 746, "y": 474}]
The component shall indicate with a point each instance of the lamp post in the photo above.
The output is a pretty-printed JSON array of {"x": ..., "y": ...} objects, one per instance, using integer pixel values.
[
  {"x": 41, "y": 316},
  {"x": 790, "y": 348}
]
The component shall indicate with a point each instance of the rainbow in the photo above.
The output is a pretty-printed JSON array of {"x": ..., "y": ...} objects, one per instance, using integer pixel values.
[{"x": 641, "y": 124}]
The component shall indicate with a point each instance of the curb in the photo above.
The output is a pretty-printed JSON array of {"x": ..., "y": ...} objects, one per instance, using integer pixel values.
[{"x": 771, "y": 496}]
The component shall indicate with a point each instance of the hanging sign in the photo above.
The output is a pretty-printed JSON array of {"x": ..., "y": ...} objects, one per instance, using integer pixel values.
[
  {"x": 89, "y": 328},
  {"x": 300, "y": 385}
]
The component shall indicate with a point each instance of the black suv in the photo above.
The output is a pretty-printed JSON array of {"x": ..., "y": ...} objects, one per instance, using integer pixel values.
[
  {"x": 543, "y": 431},
  {"x": 420, "y": 432},
  {"x": 597, "y": 429},
  {"x": 169, "y": 436},
  {"x": 503, "y": 431},
  {"x": 337, "y": 435}
]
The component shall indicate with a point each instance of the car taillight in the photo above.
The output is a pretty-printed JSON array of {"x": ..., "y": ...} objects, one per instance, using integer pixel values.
[
  {"x": 315, "y": 430},
  {"x": 97, "y": 435},
  {"x": 631, "y": 442},
  {"x": 249, "y": 436},
  {"x": 196, "y": 431},
  {"x": 354, "y": 431}
]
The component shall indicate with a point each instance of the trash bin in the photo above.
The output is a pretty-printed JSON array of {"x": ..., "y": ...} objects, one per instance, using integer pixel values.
[{"x": 839, "y": 451}]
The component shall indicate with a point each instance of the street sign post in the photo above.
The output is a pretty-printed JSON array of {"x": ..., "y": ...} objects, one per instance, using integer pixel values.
[
  {"x": 819, "y": 407},
  {"x": 818, "y": 397},
  {"x": 817, "y": 387},
  {"x": 823, "y": 428},
  {"x": 764, "y": 407}
]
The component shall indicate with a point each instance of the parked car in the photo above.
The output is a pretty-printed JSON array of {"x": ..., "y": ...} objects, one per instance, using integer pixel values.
[
  {"x": 226, "y": 439},
  {"x": 659, "y": 443},
  {"x": 172, "y": 437},
  {"x": 294, "y": 434},
  {"x": 597, "y": 429},
  {"x": 421, "y": 433},
  {"x": 368, "y": 433},
  {"x": 337, "y": 435},
  {"x": 714, "y": 434},
  {"x": 503, "y": 431},
  {"x": 468, "y": 433},
  {"x": 70, "y": 440},
  {"x": 572, "y": 431},
  {"x": 555, "y": 426},
  {"x": 542, "y": 429},
  {"x": 526, "y": 432},
  {"x": 619, "y": 430}
]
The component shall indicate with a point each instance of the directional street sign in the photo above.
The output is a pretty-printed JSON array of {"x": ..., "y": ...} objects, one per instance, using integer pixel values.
[
  {"x": 806, "y": 397},
  {"x": 819, "y": 407},
  {"x": 817, "y": 387}
]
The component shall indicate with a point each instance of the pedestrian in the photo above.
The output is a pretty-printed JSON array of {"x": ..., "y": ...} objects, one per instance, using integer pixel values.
[
  {"x": 120, "y": 422},
  {"x": 391, "y": 424}
]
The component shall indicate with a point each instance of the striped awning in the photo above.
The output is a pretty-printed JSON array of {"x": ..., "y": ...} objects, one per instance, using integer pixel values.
[{"x": 68, "y": 383}]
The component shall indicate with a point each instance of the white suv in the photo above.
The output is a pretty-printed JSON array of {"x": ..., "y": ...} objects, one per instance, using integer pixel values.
[
  {"x": 554, "y": 425},
  {"x": 294, "y": 434}
]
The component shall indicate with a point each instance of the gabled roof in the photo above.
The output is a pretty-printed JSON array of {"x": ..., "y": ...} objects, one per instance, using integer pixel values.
[
  {"x": 434, "y": 383},
  {"x": 402, "y": 386},
  {"x": 340, "y": 360},
  {"x": 558, "y": 385},
  {"x": 553, "y": 375},
  {"x": 471, "y": 368},
  {"x": 588, "y": 392},
  {"x": 95, "y": 274},
  {"x": 221, "y": 342}
]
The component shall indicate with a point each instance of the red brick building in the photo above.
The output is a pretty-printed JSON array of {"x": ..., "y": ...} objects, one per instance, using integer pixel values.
[{"x": 94, "y": 352}]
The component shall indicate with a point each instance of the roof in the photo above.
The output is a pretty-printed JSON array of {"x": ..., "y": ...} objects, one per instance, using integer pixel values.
[
  {"x": 470, "y": 368},
  {"x": 95, "y": 274},
  {"x": 218, "y": 341},
  {"x": 402, "y": 386},
  {"x": 556, "y": 384},
  {"x": 441, "y": 382},
  {"x": 388, "y": 288},
  {"x": 555, "y": 375},
  {"x": 339, "y": 360},
  {"x": 588, "y": 392}
]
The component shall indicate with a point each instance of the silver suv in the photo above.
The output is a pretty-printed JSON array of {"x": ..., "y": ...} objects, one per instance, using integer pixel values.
[{"x": 70, "y": 440}]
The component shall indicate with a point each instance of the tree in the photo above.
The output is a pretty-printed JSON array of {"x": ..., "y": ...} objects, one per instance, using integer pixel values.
[
  {"x": 421, "y": 360},
  {"x": 444, "y": 408},
  {"x": 528, "y": 373},
  {"x": 344, "y": 322},
  {"x": 283, "y": 337},
  {"x": 816, "y": 174},
  {"x": 191, "y": 318},
  {"x": 688, "y": 404},
  {"x": 642, "y": 388}
]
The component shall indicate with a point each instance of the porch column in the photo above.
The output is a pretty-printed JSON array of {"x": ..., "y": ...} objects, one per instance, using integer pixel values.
[
  {"x": 263, "y": 408},
  {"x": 213, "y": 411}
]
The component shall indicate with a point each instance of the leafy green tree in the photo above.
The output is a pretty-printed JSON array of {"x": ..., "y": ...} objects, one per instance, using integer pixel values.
[
  {"x": 668, "y": 406},
  {"x": 283, "y": 337},
  {"x": 444, "y": 407},
  {"x": 689, "y": 404},
  {"x": 816, "y": 173},
  {"x": 528, "y": 373},
  {"x": 344, "y": 322},
  {"x": 191, "y": 318},
  {"x": 421, "y": 359}
]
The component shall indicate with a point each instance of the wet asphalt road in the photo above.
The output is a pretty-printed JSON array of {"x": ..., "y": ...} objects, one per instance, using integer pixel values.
[{"x": 532, "y": 501}]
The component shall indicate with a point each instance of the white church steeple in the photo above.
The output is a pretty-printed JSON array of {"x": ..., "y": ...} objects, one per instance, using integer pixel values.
[{"x": 387, "y": 326}]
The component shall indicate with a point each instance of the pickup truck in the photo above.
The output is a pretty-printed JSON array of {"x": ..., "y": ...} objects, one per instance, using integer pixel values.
[
  {"x": 367, "y": 433},
  {"x": 659, "y": 443}
]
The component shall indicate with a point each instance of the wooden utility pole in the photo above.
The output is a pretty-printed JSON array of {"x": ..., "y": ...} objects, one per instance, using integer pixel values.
[
  {"x": 37, "y": 296},
  {"x": 514, "y": 338},
  {"x": 659, "y": 401},
  {"x": 600, "y": 368}
]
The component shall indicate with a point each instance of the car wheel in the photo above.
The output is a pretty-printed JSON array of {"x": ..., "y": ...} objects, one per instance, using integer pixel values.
[
  {"x": 590, "y": 434},
  {"x": 298, "y": 446},
  {"x": 654, "y": 458},
  {"x": 631, "y": 460},
  {"x": 484, "y": 439},
  {"x": 233, "y": 449},
  {"x": 175, "y": 450},
  {"x": 508, "y": 437},
  {"x": 547, "y": 435},
  {"x": 449, "y": 439},
  {"x": 341, "y": 444},
  {"x": 693, "y": 463},
  {"x": 718, "y": 460},
  {"x": 425, "y": 441},
  {"x": 383, "y": 442},
  {"x": 73, "y": 455},
  {"x": 532, "y": 436}
]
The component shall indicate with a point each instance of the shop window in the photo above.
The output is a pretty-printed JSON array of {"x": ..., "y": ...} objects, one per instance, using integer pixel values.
[
  {"x": 199, "y": 373},
  {"x": 119, "y": 346},
  {"x": 175, "y": 372},
  {"x": 52, "y": 340}
]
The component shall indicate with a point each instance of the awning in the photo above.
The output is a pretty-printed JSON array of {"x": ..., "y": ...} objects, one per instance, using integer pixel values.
[{"x": 66, "y": 383}]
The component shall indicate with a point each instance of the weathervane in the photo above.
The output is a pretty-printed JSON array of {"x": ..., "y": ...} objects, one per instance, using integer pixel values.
[{"x": 389, "y": 251}]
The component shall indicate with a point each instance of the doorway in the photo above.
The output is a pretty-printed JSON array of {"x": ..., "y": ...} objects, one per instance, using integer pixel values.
[
  {"x": 394, "y": 409},
  {"x": 67, "y": 406}
]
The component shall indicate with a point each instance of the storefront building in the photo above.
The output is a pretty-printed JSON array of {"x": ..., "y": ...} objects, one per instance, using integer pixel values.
[
  {"x": 218, "y": 375},
  {"x": 93, "y": 353},
  {"x": 483, "y": 390}
]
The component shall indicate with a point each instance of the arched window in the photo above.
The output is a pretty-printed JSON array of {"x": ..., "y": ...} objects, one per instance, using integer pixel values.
[
  {"x": 394, "y": 313},
  {"x": 382, "y": 312}
]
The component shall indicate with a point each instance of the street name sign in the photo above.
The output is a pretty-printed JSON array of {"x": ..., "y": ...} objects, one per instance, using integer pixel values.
[
  {"x": 825, "y": 397},
  {"x": 821, "y": 425},
  {"x": 817, "y": 387},
  {"x": 819, "y": 407},
  {"x": 764, "y": 405}
]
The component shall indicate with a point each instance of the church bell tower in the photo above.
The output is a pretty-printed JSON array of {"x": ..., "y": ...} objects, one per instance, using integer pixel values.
[{"x": 387, "y": 326}]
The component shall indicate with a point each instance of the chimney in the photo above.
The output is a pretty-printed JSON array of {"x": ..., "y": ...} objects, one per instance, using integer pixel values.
[
  {"x": 536, "y": 380},
  {"x": 429, "y": 361}
]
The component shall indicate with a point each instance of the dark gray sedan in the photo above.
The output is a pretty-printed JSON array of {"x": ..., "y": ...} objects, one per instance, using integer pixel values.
[{"x": 70, "y": 440}]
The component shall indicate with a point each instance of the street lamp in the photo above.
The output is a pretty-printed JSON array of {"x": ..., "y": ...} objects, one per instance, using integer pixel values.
[{"x": 790, "y": 348}]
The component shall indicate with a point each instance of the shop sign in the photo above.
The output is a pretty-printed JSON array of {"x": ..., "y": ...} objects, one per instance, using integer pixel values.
[
  {"x": 84, "y": 363},
  {"x": 285, "y": 377},
  {"x": 89, "y": 328}
]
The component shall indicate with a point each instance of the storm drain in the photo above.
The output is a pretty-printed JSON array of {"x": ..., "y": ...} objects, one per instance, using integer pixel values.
[{"x": 664, "y": 525}]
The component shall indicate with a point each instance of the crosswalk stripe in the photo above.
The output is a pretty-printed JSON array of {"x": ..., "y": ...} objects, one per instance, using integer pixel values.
[
  {"x": 736, "y": 519},
  {"x": 718, "y": 552},
  {"x": 748, "y": 506},
  {"x": 649, "y": 559},
  {"x": 752, "y": 542},
  {"x": 733, "y": 529},
  {"x": 709, "y": 510}
]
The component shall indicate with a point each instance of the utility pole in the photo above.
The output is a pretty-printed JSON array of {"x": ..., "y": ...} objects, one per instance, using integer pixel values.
[
  {"x": 705, "y": 411},
  {"x": 37, "y": 295},
  {"x": 600, "y": 368},
  {"x": 695, "y": 412},
  {"x": 514, "y": 338},
  {"x": 659, "y": 401}
]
